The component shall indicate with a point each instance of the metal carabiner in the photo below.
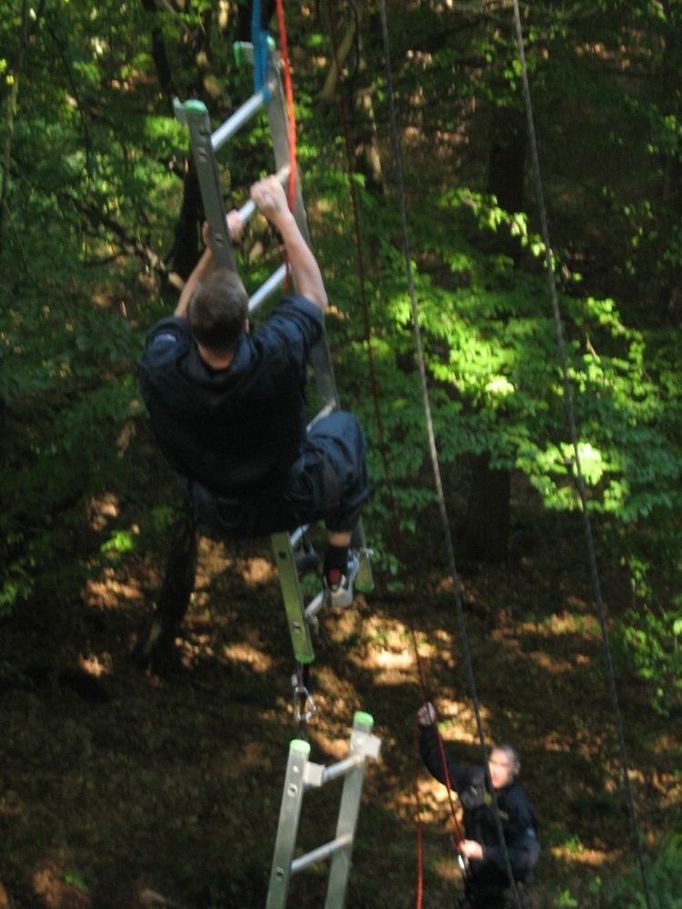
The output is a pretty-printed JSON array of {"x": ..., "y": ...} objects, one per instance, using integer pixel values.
[{"x": 303, "y": 704}]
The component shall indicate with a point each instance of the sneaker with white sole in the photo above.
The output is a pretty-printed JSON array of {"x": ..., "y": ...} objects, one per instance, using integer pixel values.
[{"x": 339, "y": 586}]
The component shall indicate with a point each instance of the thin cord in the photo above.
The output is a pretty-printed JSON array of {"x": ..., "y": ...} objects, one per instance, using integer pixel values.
[
  {"x": 359, "y": 257},
  {"x": 447, "y": 535},
  {"x": 420, "y": 826},
  {"x": 578, "y": 476},
  {"x": 383, "y": 448}
]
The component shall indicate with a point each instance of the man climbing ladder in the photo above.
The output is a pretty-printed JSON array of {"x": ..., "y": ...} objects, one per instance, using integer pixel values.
[{"x": 228, "y": 410}]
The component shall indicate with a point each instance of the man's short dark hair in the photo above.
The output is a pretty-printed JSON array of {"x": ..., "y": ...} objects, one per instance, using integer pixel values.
[{"x": 218, "y": 310}]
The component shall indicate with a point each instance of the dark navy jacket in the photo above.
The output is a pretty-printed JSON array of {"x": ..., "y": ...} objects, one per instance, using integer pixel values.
[
  {"x": 241, "y": 428},
  {"x": 519, "y": 825}
]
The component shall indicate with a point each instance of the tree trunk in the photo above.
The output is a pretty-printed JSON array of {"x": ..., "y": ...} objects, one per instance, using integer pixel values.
[
  {"x": 10, "y": 114},
  {"x": 244, "y": 13},
  {"x": 507, "y": 158},
  {"x": 672, "y": 164},
  {"x": 185, "y": 253},
  {"x": 181, "y": 566},
  {"x": 356, "y": 103},
  {"x": 486, "y": 523}
]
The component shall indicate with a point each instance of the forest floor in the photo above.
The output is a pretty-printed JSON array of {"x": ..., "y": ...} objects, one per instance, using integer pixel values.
[{"x": 122, "y": 789}]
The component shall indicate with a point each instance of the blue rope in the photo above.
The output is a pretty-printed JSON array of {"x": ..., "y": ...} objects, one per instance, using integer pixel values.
[{"x": 259, "y": 39}]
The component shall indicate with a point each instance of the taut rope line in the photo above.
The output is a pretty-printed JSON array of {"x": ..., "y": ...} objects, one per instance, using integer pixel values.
[
  {"x": 433, "y": 449},
  {"x": 578, "y": 474}
]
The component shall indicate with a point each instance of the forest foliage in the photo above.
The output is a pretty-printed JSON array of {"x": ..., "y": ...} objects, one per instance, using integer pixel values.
[{"x": 99, "y": 225}]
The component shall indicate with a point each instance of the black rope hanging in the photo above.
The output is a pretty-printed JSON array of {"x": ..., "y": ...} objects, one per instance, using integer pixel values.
[
  {"x": 433, "y": 449},
  {"x": 578, "y": 474}
]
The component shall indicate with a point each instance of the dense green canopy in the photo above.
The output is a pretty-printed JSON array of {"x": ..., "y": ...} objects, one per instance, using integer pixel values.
[{"x": 100, "y": 223}]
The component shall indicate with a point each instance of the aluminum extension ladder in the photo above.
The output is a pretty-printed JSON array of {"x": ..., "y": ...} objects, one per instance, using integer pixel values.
[
  {"x": 301, "y": 775},
  {"x": 205, "y": 143}
]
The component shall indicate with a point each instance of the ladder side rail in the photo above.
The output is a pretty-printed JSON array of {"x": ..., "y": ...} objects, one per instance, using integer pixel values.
[
  {"x": 321, "y": 362},
  {"x": 365, "y": 578},
  {"x": 276, "y": 110},
  {"x": 360, "y": 743},
  {"x": 293, "y": 598},
  {"x": 299, "y": 631},
  {"x": 320, "y": 357},
  {"x": 195, "y": 115},
  {"x": 287, "y": 828}
]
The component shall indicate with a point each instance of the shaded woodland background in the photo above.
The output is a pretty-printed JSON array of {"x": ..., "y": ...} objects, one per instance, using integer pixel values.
[{"x": 115, "y": 783}]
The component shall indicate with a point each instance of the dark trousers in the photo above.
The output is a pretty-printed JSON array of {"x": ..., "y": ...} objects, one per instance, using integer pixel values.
[
  {"x": 480, "y": 895},
  {"x": 328, "y": 482}
]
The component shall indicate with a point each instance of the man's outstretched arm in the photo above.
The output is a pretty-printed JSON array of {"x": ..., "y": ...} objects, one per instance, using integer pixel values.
[{"x": 270, "y": 198}]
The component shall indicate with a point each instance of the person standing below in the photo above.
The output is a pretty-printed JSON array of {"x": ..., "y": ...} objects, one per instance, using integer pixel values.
[
  {"x": 228, "y": 408},
  {"x": 486, "y": 882}
]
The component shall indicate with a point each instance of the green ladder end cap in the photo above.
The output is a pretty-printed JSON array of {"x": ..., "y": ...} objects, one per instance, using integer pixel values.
[
  {"x": 365, "y": 718},
  {"x": 304, "y": 657},
  {"x": 194, "y": 106},
  {"x": 300, "y": 746}
]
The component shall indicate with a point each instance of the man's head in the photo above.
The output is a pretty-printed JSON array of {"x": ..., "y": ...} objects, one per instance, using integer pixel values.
[
  {"x": 218, "y": 311},
  {"x": 503, "y": 765}
]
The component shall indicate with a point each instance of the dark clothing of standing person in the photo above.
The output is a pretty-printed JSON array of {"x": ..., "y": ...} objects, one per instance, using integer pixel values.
[{"x": 486, "y": 883}]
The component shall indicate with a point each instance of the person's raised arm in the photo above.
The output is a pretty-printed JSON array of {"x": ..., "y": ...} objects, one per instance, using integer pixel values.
[
  {"x": 205, "y": 263},
  {"x": 270, "y": 198}
]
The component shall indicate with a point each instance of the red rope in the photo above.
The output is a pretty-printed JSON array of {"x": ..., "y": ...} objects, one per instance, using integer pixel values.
[
  {"x": 291, "y": 118},
  {"x": 291, "y": 115},
  {"x": 418, "y": 821},
  {"x": 441, "y": 746},
  {"x": 448, "y": 787},
  {"x": 291, "y": 198}
]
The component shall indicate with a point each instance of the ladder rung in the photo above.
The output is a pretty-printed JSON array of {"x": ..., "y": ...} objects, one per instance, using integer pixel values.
[
  {"x": 241, "y": 116},
  {"x": 267, "y": 288},
  {"x": 328, "y": 408},
  {"x": 314, "y": 606},
  {"x": 341, "y": 768},
  {"x": 248, "y": 209},
  {"x": 295, "y": 536},
  {"x": 322, "y": 852}
]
